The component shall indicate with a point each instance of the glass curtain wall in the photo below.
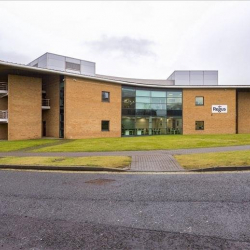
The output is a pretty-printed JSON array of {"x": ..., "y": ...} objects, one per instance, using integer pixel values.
[{"x": 151, "y": 112}]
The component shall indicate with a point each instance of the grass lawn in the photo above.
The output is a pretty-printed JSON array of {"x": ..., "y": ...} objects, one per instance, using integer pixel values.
[
  {"x": 149, "y": 143},
  {"x": 100, "y": 161},
  {"x": 6, "y": 146},
  {"x": 207, "y": 160}
]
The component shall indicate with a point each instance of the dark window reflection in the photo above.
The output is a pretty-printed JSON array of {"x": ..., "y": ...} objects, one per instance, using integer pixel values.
[
  {"x": 128, "y": 102},
  {"x": 128, "y": 112}
]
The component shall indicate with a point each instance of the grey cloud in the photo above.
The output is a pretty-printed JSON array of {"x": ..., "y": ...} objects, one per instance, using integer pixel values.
[
  {"x": 126, "y": 46},
  {"x": 12, "y": 56}
]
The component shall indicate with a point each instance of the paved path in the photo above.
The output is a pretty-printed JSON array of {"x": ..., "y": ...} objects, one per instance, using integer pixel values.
[
  {"x": 155, "y": 163},
  {"x": 154, "y": 160}
]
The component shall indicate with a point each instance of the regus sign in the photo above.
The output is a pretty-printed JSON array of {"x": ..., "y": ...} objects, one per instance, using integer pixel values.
[{"x": 219, "y": 108}]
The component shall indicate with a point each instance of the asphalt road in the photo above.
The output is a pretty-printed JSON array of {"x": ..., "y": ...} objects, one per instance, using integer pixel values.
[{"x": 40, "y": 210}]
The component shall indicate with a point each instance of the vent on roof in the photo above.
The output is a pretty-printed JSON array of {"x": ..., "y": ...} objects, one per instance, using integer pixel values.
[{"x": 73, "y": 66}]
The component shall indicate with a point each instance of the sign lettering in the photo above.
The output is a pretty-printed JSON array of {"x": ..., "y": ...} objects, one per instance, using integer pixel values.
[{"x": 219, "y": 109}]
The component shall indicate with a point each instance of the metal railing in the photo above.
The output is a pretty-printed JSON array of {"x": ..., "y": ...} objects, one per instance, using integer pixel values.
[
  {"x": 45, "y": 102},
  {"x": 3, "y": 86},
  {"x": 3, "y": 114}
]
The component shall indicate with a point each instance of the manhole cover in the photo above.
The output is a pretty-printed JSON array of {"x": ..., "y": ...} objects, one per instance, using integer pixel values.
[{"x": 100, "y": 181}]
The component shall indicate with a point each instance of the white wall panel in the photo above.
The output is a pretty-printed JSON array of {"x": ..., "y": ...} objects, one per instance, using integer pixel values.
[{"x": 73, "y": 60}]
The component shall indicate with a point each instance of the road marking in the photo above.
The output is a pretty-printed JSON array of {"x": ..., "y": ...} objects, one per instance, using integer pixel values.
[{"x": 127, "y": 173}]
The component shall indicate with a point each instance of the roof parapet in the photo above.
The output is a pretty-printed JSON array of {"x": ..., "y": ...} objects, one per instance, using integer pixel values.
[
  {"x": 63, "y": 63},
  {"x": 194, "y": 77}
]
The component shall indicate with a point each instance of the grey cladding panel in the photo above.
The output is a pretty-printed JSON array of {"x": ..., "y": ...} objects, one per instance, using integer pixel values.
[
  {"x": 195, "y": 77},
  {"x": 56, "y": 64},
  {"x": 56, "y": 57},
  {"x": 211, "y": 78},
  {"x": 182, "y": 78},
  {"x": 87, "y": 68}
]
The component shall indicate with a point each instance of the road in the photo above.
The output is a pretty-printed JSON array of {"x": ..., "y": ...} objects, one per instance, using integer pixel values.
[{"x": 42, "y": 210}]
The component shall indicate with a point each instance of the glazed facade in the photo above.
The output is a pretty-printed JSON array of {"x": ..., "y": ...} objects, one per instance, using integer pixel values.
[{"x": 150, "y": 111}]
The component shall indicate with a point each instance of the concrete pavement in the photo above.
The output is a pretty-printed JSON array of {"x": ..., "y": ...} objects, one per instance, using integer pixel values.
[{"x": 152, "y": 160}]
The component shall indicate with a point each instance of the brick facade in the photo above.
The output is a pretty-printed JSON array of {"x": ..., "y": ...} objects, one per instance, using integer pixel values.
[
  {"x": 24, "y": 106},
  {"x": 84, "y": 109},
  {"x": 213, "y": 123},
  {"x": 243, "y": 112}
]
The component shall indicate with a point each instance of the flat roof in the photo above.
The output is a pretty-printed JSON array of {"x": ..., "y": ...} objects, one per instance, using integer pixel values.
[{"x": 7, "y": 66}]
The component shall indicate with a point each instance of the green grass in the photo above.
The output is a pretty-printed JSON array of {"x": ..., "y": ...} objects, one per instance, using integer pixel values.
[
  {"x": 149, "y": 143},
  {"x": 100, "y": 161},
  {"x": 6, "y": 146},
  {"x": 207, "y": 160}
]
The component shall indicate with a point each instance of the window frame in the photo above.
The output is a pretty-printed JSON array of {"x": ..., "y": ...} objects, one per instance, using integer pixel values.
[
  {"x": 198, "y": 128},
  {"x": 202, "y": 101},
  {"x": 105, "y": 130},
  {"x": 106, "y": 100}
]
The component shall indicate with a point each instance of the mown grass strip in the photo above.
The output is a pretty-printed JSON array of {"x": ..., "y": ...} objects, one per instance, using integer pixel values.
[
  {"x": 7, "y": 146},
  {"x": 149, "y": 143},
  {"x": 208, "y": 160},
  {"x": 98, "y": 161}
]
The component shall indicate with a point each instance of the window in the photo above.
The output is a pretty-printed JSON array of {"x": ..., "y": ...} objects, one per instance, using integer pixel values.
[
  {"x": 105, "y": 96},
  {"x": 105, "y": 125},
  {"x": 199, "y": 125},
  {"x": 128, "y": 102},
  {"x": 73, "y": 66},
  {"x": 143, "y": 93},
  {"x": 199, "y": 101}
]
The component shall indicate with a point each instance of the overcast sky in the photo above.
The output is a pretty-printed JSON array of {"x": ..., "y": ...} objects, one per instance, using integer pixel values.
[{"x": 133, "y": 39}]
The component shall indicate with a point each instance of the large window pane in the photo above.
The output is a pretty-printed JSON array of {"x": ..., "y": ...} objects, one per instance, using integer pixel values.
[
  {"x": 128, "y": 122},
  {"x": 142, "y": 93},
  {"x": 128, "y": 111},
  {"x": 159, "y": 126},
  {"x": 158, "y": 93},
  {"x": 128, "y": 102},
  {"x": 143, "y": 106},
  {"x": 174, "y": 106},
  {"x": 128, "y": 92},
  {"x": 128, "y": 126},
  {"x": 158, "y": 100},
  {"x": 159, "y": 112},
  {"x": 174, "y": 100},
  {"x": 158, "y": 106},
  {"x": 142, "y": 125},
  {"x": 143, "y": 99},
  {"x": 174, "y": 94},
  {"x": 144, "y": 112},
  {"x": 174, "y": 125},
  {"x": 174, "y": 112}
]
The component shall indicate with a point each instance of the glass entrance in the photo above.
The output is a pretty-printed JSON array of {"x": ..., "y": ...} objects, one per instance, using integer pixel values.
[
  {"x": 151, "y": 111},
  {"x": 174, "y": 125}
]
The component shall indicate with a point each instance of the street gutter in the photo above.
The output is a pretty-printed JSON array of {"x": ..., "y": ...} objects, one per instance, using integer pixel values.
[
  {"x": 61, "y": 168},
  {"x": 218, "y": 169}
]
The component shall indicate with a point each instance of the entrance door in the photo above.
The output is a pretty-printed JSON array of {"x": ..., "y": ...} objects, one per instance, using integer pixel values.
[
  {"x": 44, "y": 128},
  {"x": 174, "y": 125}
]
